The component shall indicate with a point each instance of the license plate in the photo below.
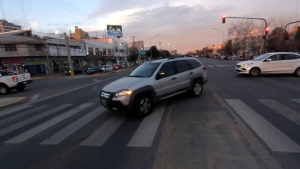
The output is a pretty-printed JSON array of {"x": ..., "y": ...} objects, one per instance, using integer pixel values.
[
  {"x": 103, "y": 102},
  {"x": 24, "y": 82}
]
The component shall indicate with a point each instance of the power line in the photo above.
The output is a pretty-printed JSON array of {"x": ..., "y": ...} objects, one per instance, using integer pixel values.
[
  {"x": 22, "y": 4},
  {"x": 71, "y": 6},
  {"x": 65, "y": 8},
  {"x": 1, "y": 3}
]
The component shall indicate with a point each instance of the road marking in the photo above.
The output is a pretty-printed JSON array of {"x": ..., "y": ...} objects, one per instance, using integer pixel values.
[
  {"x": 15, "y": 109},
  {"x": 34, "y": 97},
  {"x": 96, "y": 80},
  {"x": 72, "y": 128},
  {"x": 32, "y": 119},
  {"x": 281, "y": 109},
  {"x": 210, "y": 65},
  {"x": 99, "y": 137},
  {"x": 144, "y": 135},
  {"x": 36, "y": 130},
  {"x": 17, "y": 116},
  {"x": 296, "y": 100},
  {"x": 95, "y": 88},
  {"x": 273, "y": 137},
  {"x": 219, "y": 65}
]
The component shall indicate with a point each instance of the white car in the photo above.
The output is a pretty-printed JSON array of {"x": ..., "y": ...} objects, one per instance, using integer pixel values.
[
  {"x": 271, "y": 63},
  {"x": 107, "y": 68},
  {"x": 10, "y": 80}
]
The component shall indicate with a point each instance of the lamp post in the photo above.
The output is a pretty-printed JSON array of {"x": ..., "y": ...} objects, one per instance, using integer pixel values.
[
  {"x": 151, "y": 45},
  {"x": 223, "y": 35}
]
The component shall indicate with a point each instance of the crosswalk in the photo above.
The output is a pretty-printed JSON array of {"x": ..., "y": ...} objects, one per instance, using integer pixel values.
[
  {"x": 270, "y": 133},
  {"x": 29, "y": 122}
]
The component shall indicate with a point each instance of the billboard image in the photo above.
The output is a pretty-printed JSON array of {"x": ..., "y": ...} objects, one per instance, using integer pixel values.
[{"x": 114, "y": 30}]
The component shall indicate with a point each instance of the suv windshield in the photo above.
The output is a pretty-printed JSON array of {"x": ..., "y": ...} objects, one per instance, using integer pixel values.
[
  {"x": 145, "y": 70},
  {"x": 261, "y": 57}
]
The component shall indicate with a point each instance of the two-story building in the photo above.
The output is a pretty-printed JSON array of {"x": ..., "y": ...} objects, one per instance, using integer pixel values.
[{"x": 21, "y": 52}]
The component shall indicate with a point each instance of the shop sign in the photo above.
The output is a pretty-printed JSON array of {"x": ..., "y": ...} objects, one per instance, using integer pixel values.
[
  {"x": 35, "y": 59},
  {"x": 13, "y": 60}
]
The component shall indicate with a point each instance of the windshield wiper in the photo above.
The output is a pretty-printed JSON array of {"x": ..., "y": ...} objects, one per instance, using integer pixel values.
[{"x": 135, "y": 76}]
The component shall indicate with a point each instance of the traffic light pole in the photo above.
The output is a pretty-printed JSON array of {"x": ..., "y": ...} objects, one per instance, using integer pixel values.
[
  {"x": 69, "y": 55},
  {"x": 289, "y": 24},
  {"x": 266, "y": 25}
]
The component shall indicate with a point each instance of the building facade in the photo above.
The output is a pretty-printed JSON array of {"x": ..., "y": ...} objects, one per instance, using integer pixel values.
[{"x": 7, "y": 26}]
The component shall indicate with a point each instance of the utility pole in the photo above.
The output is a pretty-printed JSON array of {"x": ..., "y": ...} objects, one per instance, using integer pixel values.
[
  {"x": 69, "y": 55},
  {"x": 133, "y": 40}
]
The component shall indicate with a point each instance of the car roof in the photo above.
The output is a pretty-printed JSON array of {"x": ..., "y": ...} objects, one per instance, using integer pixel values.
[
  {"x": 172, "y": 58},
  {"x": 281, "y": 53}
]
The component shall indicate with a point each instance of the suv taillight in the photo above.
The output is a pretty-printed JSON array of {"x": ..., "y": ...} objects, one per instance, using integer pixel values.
[
  {"x": 15, "y": 78},
  {"x": 204, "y": 68}
]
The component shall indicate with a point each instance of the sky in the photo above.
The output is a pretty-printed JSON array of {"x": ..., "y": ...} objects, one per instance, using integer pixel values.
[{"x": 186, "y": 25}]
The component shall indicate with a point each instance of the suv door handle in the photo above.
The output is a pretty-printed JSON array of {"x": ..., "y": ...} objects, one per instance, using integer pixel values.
[
  {"x": 191, "y": 73},
  {"x": 174, "y": 78}
]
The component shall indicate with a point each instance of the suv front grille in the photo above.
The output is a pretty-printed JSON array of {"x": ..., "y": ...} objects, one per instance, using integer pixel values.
[{"x": 105, "y": 95}]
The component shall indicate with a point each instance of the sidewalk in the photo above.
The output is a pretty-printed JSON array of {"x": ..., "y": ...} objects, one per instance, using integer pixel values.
[{"x": 5, "y": 102}]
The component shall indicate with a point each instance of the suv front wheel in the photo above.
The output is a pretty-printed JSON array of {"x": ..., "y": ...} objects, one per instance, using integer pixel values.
[
  {"x": 143, "y": 105},
  {"x": 197, "y": 88}
]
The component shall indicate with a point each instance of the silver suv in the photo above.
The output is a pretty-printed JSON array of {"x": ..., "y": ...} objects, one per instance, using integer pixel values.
[{"x": 154, "y": 81}]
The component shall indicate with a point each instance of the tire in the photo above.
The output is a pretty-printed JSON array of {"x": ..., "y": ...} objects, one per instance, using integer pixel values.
[
  {"x": 4, "y": 89},
  {"x": 197, "y": 88},
  {"x": 254, "y": 72},
  {"x": 143, "y": 105},
  {"x": 20, "y": 88},
  {"x": 297, "y": 72}
]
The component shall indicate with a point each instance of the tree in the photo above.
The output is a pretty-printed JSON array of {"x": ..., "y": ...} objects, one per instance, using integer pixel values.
[
  {"x": 133, "y": 54},
  {"x": 275, "y": 41},
  {"x": 155, "y": 52},
  {"x": 297, "y": 39},
  {"x": 228, "y": 47},
  {"x": 164, "y": 53}
]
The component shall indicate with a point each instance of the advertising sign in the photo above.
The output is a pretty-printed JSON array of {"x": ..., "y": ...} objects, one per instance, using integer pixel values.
[{"x": 114, "y": 30}]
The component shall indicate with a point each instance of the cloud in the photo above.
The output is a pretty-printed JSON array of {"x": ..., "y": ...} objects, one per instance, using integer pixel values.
[{"x": 33, "y": 24}]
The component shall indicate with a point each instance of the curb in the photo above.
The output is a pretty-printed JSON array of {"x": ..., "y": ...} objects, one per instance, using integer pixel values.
[
  {"x": 44, "y": 77},
  {"x": 14, "y": 103}
]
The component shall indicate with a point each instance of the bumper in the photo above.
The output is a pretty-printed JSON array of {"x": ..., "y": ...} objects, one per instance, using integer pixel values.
[
  {"x": 110, "y": 102},
  {"x": 242, "y": 70},
  {"x": 24, "y": 82}
]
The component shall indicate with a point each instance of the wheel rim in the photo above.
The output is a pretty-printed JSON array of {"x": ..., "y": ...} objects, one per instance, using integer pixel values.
[
  {"x": 145, "y": 105},
  {"x": 197, "y": 89},
  {"x": 3, "y": 90},
  {"x": 298, "y": 72},
  {"x": 255, "y": 72}
]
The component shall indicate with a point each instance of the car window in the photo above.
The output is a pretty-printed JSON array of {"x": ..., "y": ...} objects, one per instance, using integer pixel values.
[
  {"x": 168, "y": 68},
  {"x": 261, "y": 57},
  {"x": 275, "y": 57},
  {"x": 291, "y": 57},
  {"x": 194, "y": 64},
  {"x": 182, "y": 66},
  {"x": 145, "y": 70}
]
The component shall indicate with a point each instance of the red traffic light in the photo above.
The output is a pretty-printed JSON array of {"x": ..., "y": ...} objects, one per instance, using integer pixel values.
[
  {"x": 267, "y": 30},
  {"x": 223, "y": 18}
]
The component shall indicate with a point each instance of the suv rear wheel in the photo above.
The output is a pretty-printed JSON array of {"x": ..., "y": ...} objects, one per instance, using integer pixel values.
[
  {"x": 20, "y": 88},
  {"x": 4, "y": 89},
  {"x": 143, "y": 105},
  {"x": 197, "y": 87}
]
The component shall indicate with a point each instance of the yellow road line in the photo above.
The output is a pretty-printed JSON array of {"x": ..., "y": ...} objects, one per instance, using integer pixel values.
[{"x": 45, "y": 77}]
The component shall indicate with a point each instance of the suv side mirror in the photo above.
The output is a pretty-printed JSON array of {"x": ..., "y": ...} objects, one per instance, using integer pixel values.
[
  {"x": 268, "y": 60},
  {"x": 160, "y": 75}
]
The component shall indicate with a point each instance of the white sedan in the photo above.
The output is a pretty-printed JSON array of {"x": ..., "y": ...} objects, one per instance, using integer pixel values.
[
  {"x": 271, "y": 63},
  {"x": 107, "y": 68}
]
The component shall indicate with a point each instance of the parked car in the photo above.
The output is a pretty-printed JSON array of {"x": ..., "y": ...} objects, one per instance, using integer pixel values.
[
  {"x": 154, "y": 81},
  {"x": 107, "y": 68},
  {"x": 116, "y": 66},
  {"x": 271, "y": 63},
  {"x": 85, "y": 68},
  {"x": 92, "y": 70},
  {"x": 77, "y": 70},
  {"x": 10, "y": 80}
]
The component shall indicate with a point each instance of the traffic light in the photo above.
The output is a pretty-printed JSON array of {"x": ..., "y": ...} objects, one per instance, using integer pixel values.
[
  {"x": 287, "y": 36},
  {"x": 223, "y": 18},
  {"x": 267, "y": 31}
]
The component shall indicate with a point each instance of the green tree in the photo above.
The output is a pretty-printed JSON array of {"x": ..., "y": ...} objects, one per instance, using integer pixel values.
[
  {"x": 133, "y": 54},
  {"x": 164, "y": 53},
  {"x": 155, "y": 52}
]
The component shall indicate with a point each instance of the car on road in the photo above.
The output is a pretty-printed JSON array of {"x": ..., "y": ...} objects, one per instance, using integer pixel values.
[
  {"x": 116, "y": 66},
  {"x": 77, "y": 70},
  {"x": 107, "y": 68},
  {"x": 10, "y": 80},
  {"x": 92, "y": 70},
  {"x": 271, "y": 63},
  {"x": 154, "y": 81}
]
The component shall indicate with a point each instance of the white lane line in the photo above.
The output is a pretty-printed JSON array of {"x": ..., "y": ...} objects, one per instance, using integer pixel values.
[
  {"x": 296, "y": 100},
  {"x": 144, "y": 135},
  {"x": 99, "y": 137},
  {"x": 281, "y": 109},
  {"x": 32, "y": 119},
  {"x": 14, "y": 110},
  {"x": 72, "y": 128},
  {"x": 96, "y": 80},
  {"x": 95, "y": 88},
  {"x": 34, "y": 98},
  {"x": 19, "y": 115},
  {"x": 273, "y": 137},
  {"x": 36, "y": 130},
  {"x": 219, "y": 65},
  {"x": 210, "y": 65}
]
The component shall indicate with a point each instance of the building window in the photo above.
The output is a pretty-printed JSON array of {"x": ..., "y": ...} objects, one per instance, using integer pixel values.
[
  {"x": 38, "y": 47},
  {"x": 10, "y": 47}
]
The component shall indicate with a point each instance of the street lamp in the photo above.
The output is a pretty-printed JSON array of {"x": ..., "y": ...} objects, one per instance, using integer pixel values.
[
  {"x": 223, "y": 34},
  {"x": 151, "y": 45}
]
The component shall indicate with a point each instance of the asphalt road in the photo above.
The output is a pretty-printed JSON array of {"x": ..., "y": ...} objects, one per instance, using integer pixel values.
[{"x": 238, "y": 122}]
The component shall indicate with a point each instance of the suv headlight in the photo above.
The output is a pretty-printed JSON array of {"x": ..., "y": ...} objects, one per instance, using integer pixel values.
[
  {"x": 123, "y": 93},
  {"x": 245, "y": 65}
]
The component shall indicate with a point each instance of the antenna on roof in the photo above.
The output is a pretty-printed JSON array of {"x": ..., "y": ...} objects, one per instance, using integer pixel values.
[{"x": 24, "y": 13}]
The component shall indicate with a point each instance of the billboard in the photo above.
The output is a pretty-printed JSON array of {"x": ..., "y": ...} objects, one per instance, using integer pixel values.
[{"x": 114, "y": 30}]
